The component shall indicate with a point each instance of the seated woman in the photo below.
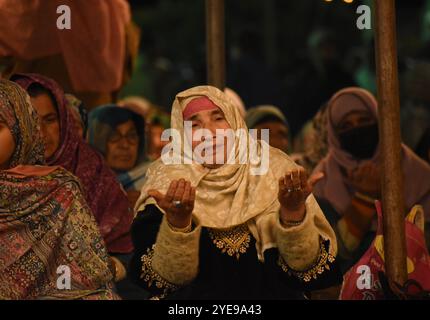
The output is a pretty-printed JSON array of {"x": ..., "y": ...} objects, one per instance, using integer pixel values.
[
  {"x": 351, "y": 171},
  {"x": 156, "y": 121},
  {"x": 47, "y": 231},
  {"x": 221, "y": 231},
  {"x": 118, "y": 134},
  {"x": 270, "y": 117},
  {"x": 63, "y": 147}
]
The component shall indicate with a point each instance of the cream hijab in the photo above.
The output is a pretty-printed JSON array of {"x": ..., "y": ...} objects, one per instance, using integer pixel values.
[{"x": 230, "y": 195}]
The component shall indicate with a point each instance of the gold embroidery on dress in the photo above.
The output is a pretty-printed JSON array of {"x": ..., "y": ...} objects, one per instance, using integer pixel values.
[
  {"x": 151, "y": 277},
  {"x": 233, "y": 241},
  {"x": 312, "y": 273}
]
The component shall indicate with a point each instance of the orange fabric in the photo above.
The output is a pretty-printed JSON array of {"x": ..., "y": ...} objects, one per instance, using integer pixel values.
[{"x": 93, "y": 50}]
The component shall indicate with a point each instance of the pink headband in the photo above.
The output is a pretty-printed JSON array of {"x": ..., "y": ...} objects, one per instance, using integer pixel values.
[{"x": 197, "y": 105}]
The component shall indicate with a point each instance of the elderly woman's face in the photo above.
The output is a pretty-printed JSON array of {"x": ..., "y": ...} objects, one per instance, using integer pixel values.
[
  {"x": 7, "y": 145},
  {"x": 211, "y": 120},
  {"x": 122, "y": 147}
]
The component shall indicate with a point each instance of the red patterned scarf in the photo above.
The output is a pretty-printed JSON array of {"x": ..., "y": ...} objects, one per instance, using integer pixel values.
[
  {"x": 45, "y": 223},
  {"x": 107, "y": 200}
]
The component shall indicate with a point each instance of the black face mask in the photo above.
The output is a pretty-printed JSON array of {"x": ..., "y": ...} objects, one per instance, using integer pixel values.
[{"x": 360, "y": 142}]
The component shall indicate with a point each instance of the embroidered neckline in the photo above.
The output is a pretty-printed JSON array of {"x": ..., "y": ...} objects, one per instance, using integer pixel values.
[{"x": 233, "y": 241}]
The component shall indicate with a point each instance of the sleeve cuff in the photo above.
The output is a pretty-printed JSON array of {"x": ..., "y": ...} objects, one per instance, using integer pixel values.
[
  {"x": 176, "y": 253},
  {"x": 298, "y": 245},
  {"x": 322, "y": 264}
]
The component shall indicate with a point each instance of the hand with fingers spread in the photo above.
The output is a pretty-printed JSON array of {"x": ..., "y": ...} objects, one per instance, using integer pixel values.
[
  {"x": 294, "y": 189},
  {"x": 178, "y": 202}
]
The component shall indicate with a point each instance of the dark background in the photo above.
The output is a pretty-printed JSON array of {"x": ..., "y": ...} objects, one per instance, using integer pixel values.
[{"x": 293, "y": 54}]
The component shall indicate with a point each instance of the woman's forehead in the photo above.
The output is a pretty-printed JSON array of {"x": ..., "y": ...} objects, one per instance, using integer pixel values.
[
  {"x": 43, "y": 104},
  {"x": 203, "y": 113},
  {"x": 355, "y": 114},
  {"x": 126, "y": 125},
  {"x": 346, "y": 105}
]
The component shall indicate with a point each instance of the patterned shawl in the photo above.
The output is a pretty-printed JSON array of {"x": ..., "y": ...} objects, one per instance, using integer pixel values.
[
  {"x": 104, "y": 194},
  {"x": 46, "y": 228},
  {"x": 315, "y": 151}
]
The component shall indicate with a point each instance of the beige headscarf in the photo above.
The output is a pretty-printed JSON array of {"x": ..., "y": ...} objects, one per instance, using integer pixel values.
[{"x": 230, "y": 195}]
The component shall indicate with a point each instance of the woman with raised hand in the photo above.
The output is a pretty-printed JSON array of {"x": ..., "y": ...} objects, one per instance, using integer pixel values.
[
  {"x": 219, "y": 230},
  {"x": 351, "y": 170}
]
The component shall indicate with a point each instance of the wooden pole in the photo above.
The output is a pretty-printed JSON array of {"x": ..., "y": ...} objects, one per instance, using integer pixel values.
[
  {"x": 215, "y": 47},
  {"x": 390, "y": 140}
]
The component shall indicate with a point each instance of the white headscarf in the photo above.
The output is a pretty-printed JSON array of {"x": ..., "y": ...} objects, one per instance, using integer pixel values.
[{"x": 229, "y": 195}]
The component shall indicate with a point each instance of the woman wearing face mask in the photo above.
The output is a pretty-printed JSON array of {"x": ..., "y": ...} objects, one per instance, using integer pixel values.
[
  {"x": 351, "y": 170},
  {"x": 46, "y": 226},
  {"x": 218, "y": 231}
]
